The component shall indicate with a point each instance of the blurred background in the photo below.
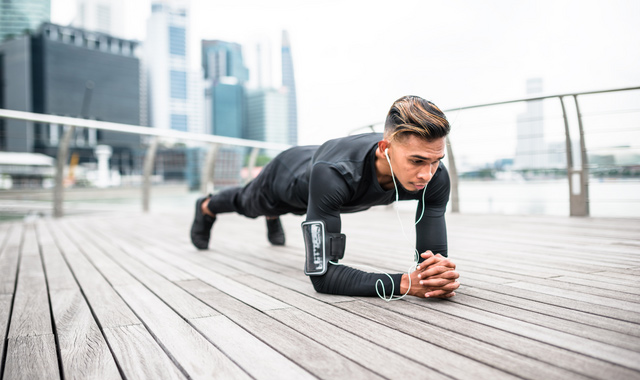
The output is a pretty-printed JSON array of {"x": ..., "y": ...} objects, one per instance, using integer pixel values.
[{"x": 295, "y": 73}]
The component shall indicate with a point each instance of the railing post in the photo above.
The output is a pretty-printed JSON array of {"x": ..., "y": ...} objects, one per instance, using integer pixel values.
[
  {"x": 61, "y": 160},
  {"x": 578, "y": 199},
  {"x": 208, "y": 170},
  {"x": 582, "y": 199},
  {"x": 148, "y": 172},
  {"x": 453, "y": 176},
  {"x": 252, "y": 163}
]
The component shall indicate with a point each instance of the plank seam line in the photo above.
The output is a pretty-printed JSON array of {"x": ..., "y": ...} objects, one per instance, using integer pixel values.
[
  {"x": 291, "y": 306},
  {"x": 53, "y": 320},
  {"x": 549, "y": 314},
  {"x": 470, "y": 336},
  {"x": 259, "y": 338},
  {"x": 534, "y": 323},
  {"x": 155, "y": 338},
  {"x": 86, "y": 300},
  {"x": 6, "y": 238},
  {"x": 13, "y": 299},
  {"x": 550, "y": 303},
  {"x": 572, "y": 349},
  {"x": 188, "y": 321}
]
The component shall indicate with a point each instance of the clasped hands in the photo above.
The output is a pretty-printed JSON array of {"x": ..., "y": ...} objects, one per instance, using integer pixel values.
[{"x": 435, "y": 277}]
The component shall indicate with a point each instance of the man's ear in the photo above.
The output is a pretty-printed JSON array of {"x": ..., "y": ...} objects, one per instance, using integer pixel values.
[{"x": 383, "y": 145}]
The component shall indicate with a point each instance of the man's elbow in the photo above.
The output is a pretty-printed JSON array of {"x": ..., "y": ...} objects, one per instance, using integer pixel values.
[{"x": 318, "y": 283}]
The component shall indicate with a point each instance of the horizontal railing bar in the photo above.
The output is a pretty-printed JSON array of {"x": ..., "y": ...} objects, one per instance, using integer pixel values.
[
  {"x": 541, "y": 98},
  {"x": 135, "y": 129}
]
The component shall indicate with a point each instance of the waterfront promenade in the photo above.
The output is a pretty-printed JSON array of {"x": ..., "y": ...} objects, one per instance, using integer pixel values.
[{"x": 125, "y": 295}]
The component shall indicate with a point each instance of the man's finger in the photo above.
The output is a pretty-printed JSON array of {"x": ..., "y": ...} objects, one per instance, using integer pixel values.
[{"x": 437, "y": 282}]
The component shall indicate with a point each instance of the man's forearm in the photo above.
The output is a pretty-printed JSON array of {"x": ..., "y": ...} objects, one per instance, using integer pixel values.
[{"x": 348, "y": 281}]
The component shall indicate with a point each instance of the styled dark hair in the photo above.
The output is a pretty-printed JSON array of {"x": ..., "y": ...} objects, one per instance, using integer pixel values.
[{"x": 413, "y": 115}]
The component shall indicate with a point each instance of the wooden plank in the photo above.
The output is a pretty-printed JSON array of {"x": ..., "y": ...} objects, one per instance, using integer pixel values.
[
  {"x": 182, "y": 302},
  {"x": 375, "y": 356},
  {"x": 305, "y": 352},
  {"x": 198, "y": 357},
  {"x": 617, "y": 325},
  {"x": 31, "y": 357},
  {"x": 555, "y": 282},
  {"x": 616, "y": 355},
  {"x": 59, "y": 276},
  {"x": 498, "y": 357},
  {"x": 9, "y": 260},
  {"x": 564, "y": 325},
  {"x": 83, "y": 350},
  {"x": 454, "y": 358},
  {"x": 5, "y": 310},
  {"x": 139, "y": 355},
  {"x": 109, "y": 308},
  {"x": 254, "y": 356},
  {"x": 508, "y": 340},
  {"x": 554, "y": 300},
  {"x": 104, "y": 264},
  {"x": 30, "y": 315},
  {"x": 235, "y": 289},
  {"x": 565, "y": 293}
]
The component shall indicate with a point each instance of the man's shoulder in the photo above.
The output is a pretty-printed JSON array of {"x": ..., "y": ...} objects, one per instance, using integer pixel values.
[{"x": 347, "y": 149}]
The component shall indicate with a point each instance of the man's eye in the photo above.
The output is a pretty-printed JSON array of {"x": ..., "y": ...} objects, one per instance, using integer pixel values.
[{"x": 417, "y": 162}]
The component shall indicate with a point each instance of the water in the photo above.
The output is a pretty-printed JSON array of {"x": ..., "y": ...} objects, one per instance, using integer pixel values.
[{"x": 607, "y": 198}]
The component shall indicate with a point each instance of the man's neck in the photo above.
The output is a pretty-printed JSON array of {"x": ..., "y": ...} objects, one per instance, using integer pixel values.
[{"x": 383, "y": 173}]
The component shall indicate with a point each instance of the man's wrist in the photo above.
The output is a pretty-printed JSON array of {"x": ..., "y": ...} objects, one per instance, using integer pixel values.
[{"x": 404, "y": 283}]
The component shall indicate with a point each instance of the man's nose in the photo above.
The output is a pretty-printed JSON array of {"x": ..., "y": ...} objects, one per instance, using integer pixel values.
[{"x": 425, "y": 174}]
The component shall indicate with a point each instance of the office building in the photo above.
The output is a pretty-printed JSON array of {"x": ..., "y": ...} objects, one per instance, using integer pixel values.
[
  {"x": 174, "y": 103},
  {"x": 267, "y": 115},
  {"x": 70, "y": 72},
  {"x": 16, "y": 17},
  {"x": 225, "y": 76},
  {"x": 289, "y": 83},
  {"x": 105, "y": 16}
]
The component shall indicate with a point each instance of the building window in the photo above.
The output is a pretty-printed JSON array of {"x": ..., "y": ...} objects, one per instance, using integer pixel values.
[
  {"x": 177, "y": 41},
  {"x": 178, "y": 84},
  {"x": 179, "y": 122}
]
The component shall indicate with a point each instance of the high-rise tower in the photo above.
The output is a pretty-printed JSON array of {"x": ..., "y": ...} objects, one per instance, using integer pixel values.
[
  {"x": 104, "y": 16},
  {"x": 289, "y": 82},
  {"x": 226, "y": 75},
  {"x": 173, "y": 103},
  {"x": 18, "y": 16}
]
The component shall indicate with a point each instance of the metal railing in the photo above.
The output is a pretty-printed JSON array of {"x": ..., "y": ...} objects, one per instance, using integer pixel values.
[
  {"x": 578, "y": 177},
  {"x": 155, "y": 134}
]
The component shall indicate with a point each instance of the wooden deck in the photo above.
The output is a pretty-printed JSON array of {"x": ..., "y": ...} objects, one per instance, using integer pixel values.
[{"x": 117, "y": 295}]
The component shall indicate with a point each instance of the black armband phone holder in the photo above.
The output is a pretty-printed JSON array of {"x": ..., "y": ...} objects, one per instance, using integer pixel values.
[{"x": 321, "y": 247}]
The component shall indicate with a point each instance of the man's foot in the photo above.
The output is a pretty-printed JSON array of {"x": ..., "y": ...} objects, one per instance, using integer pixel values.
[
  {"x": 275, "y": 233},
  {"x": 201, "y": 226}
]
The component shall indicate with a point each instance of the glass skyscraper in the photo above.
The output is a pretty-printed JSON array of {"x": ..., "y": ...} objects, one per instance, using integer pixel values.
[
  {"x": 174, "y": 92},
  {"x": 289, "y": 82},
  {"x": 21, "y": 15},
  {"x": 226, "y": 75}
]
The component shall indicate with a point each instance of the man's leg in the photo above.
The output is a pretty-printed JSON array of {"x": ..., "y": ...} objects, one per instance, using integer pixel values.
[
  {"x": 205, "y": 217},
  {"x": 202, "y": 224},
  {"x": 275, "y": 232},
  {"x": 251, "y": 201}
]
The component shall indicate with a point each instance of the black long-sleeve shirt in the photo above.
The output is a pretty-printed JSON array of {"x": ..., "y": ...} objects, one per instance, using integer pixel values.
[{"x": 340, "y": 177}]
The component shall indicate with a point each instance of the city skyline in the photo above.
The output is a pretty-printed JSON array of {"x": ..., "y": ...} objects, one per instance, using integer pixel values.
[{"x": 353, "y": 59}]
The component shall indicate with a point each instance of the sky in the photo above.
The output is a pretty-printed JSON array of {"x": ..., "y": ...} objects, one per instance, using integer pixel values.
[{"x": 353, "y": 58}]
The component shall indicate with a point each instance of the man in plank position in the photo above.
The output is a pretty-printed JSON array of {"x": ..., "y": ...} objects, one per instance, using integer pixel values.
[{"x": 352, "y": 174}]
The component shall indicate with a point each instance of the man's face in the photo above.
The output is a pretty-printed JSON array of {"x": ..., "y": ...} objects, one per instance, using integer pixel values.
[{"x": 415, "y": 160}]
